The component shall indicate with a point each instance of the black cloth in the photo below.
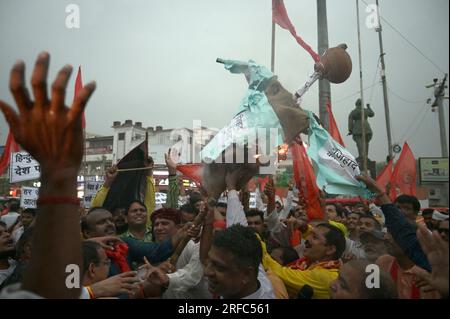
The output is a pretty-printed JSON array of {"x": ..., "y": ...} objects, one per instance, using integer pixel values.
[{"x": 131, "y": 185}]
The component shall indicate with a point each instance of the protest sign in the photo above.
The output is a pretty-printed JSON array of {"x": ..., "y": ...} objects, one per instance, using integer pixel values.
[
  {"x": 29, "y": 196},
  {"x": 23, "y": 167},
  {"x": 90, "y": 189}
]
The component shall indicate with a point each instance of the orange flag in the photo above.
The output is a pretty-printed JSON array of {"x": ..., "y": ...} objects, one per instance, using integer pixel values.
[
  {"x": 262, "y": 182},
  {"x": 192, "y": 171},
  {"x": 385, "y": 175},
  {"x": 11, "y": 146},
  {"x": 404, "y": 176},
  {"x": 78, "y": 87},
  {"x": 280, "y": 17},
  {"x": 306, "y": 181},
  {"x": 333, "y": 129}
]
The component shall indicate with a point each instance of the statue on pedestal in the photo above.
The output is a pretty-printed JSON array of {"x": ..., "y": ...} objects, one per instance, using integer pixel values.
[{"x": 356, "y": 129}]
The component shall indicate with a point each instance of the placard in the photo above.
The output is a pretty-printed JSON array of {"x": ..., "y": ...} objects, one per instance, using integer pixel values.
[
  {"x": 90, "y": 189},
  {"x": 29, "y": 196},
  {"x": 23, "y": 167}
]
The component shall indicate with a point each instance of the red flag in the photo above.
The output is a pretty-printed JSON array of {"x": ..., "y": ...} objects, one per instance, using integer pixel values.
[
  {"x": 404, "y": 176},
  {"x": 10, "y": 147},
  {"x": 262, "y": 182},
  {"x": 78, "y": 87},
  {"x": 280, "y": 17},
  {"x": 306, "y": 181},
  {"x": 385, "y": 175},
  {"x": 332, "y": 127},
  {"x": 192, "y": 171}
]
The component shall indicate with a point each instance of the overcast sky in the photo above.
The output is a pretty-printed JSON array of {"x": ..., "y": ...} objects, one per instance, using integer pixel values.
[{"x": 154, "y": 61}]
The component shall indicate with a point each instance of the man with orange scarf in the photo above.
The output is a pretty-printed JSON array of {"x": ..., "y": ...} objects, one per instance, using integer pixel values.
[{"x": 319, "y": 266}]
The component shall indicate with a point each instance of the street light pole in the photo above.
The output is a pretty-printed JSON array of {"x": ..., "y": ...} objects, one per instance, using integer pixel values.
[
  {"x": 439, "y": 93},
  {"x": 383, "y": 80}
]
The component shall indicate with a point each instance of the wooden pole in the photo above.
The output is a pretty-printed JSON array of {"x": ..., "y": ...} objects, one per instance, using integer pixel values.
[{"x": 134, "y": 169}]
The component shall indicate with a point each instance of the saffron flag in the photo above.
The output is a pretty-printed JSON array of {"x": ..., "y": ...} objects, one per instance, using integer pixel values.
[
  {"x": 335, "y": 167},
  {"x": 10, "y": 147},
  {"x": 192, "y": 171},
  {"x": 385, "y": 175},
  {"x": 262, "y": 181},
  {"x": 333, "y": 129},
  {"x": 306, "y": 181},
  {"x": 404, "y": 176},
  {"x": 78, "y": 87},
  {"x": 280, "y": 17}
]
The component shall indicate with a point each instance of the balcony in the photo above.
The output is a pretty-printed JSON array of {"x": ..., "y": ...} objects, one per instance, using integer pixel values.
[{"x": 99, "y": 150}]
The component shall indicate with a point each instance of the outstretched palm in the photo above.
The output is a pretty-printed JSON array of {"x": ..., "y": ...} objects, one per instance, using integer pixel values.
[{"x": 47, "y": 129}]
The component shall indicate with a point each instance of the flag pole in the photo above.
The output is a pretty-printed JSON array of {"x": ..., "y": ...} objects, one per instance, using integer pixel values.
[
  {"x": 363, "y": 119},
  {"x": 272, "y": 63}
]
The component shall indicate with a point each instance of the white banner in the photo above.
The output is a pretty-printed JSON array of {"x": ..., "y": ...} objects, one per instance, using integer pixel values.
[
  {"x": 234, "y": 132},
  {"x": 23, "y": 167},
  {"x": 90, "y": 189},
  {"x": 29, "y": 196},
  {"x": 335, "y": 167}
]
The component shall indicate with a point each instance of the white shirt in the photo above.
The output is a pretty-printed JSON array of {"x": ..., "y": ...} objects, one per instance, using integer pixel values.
[
  {"x": 9, "y": 219},
  {"x": 188, "y": 281},
  {"x": 259, "y": 202},
  {"x": 355, "y": 248},
  {"x": 287, "y": 205},
  {"x": 17, "y": 234},
  {"x": 5, "y": 273},
  {"x": 261, "y": 293},
  {"x": 376, "y": 211},
  {"x": 235, "y": 215},
  {"x": 16, "y": 292},
  {"x": 278, "y": 231}
]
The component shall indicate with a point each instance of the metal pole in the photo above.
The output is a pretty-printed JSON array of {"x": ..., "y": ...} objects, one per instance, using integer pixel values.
[
  {"x": 383, "y": 80},
  {"x": 444, "y": 149},
  {"x": 363, "y": 119},
  {"x": 272, "y": 64},
  {"x": 440, "y": 101},
  {"x": 324, "y": 85}
]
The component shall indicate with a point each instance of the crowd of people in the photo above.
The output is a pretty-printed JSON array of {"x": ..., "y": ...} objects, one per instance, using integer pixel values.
[{"x": 207, "y": 247}]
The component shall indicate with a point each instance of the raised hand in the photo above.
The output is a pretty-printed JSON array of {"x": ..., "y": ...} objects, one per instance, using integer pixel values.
[
  {"x": 167, "y": 267},
  {"x": 111, "y": 175},
  {"x": 171, "y": 165},
  {"x": 53, "y": 135},
  {"x": 156, "y": 281},
  {"x": 269, "y": 190},
  {"x": 370, "y": 183},
  {"x": 291, "y": 184},
  {"x": 47, "y": 129},
  {"x": 437, "y": 251},
  {"x": 375, "y": 188}
]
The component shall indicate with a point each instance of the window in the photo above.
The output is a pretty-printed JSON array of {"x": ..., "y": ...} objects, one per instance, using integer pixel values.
[{"x": 121, "y": 136}]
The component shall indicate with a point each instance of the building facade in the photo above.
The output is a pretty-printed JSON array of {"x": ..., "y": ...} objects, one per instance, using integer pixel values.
[{"x": 98, "y": 155}]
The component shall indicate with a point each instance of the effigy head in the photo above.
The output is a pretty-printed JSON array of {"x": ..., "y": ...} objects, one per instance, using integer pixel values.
[{"x": 335, "y": 65}]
